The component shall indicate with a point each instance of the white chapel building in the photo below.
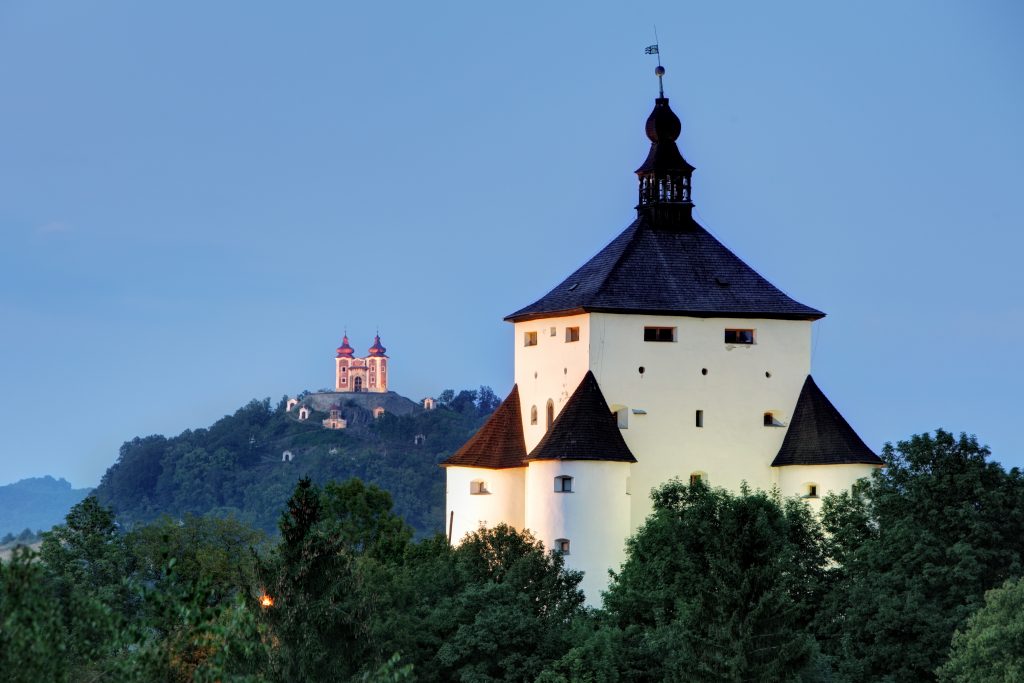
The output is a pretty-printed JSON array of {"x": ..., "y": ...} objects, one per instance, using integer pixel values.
[{"x": 665, "y": 355}]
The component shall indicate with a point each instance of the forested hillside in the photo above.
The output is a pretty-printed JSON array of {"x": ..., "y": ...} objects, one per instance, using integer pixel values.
[{"x": 235, "y": 467}]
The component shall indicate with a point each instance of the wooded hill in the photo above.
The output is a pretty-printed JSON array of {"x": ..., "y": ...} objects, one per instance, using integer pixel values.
[{"x": 235, "y": 467}]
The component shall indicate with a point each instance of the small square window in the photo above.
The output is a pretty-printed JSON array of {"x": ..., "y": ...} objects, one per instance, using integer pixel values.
[
  {"x": 739, "y": 336},
  {"x": 700, "y": 418},
  {"x": 771, "y": 421},
  {"x": 812, "y": 490},
  {"x": 659, "y": 334},
  {"x": 563, "y": 484},
  {"x": 562, "y": 546},
  {"x": 530, "y": 339},
  {"x": 572, "y": 334},
  {"x": 478, "y": 487},
  {"x": 696, "y": 478},
  {"x": 554, "y": 331}
]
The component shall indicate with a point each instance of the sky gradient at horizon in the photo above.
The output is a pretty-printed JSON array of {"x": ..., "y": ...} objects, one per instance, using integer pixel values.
[{"x": 198, "y": 199}]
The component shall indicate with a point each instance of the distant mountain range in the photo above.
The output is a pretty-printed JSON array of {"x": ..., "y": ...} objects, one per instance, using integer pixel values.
[{"x": 37, "y": 504}]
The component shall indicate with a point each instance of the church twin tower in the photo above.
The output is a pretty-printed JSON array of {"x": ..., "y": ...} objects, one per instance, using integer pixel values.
[{"x": 663, "y": 356}]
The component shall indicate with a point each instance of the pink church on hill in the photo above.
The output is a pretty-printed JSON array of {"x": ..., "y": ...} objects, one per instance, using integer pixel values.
[{"x": 365, "y": 374}]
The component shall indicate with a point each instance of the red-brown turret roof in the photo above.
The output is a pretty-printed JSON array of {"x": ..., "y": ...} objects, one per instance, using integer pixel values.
[
  {"x": 499, "y": 443},
  {"x": 345, "y": 350},
  {"x": 377, "y": 349}
]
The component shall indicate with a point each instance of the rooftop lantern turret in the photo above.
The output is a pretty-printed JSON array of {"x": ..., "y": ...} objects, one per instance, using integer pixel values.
[{"x": 665, "y": 192}]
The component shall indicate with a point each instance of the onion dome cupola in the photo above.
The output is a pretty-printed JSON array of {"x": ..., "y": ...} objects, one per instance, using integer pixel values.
[
  {"x": 345, "y": 350},
  {"x": 377, "y": 350},
  {"x": 665, "y": 192}
]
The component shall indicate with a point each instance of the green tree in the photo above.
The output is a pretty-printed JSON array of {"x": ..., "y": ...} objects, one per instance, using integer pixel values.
[
  {"x": 508, "y": 613},
  {"x": 33, "y": 635},
  {"x": 325, "y": 595},
  {"x": 90, "y": 571},
  {"x": 990, "y": 649},
  {"x": 917, "y": 549},
  {"x": 717, "y": 587},
  {"x": 213, "y": 550},
  {"x": 188, "y": 635},
  {"x": 362, "y": 518}
]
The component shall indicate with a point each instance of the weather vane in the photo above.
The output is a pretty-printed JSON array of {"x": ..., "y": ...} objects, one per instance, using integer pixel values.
[{"x": 659, "y": 71}]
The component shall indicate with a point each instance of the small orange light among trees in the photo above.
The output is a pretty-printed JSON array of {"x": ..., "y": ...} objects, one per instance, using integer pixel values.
[{"x": 266, "y": 601}]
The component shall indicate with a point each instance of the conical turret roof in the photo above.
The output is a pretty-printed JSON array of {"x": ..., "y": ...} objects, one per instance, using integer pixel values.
[
  {"x": 499, "y": 444},
  {"x": 586, "y": 429},
  {"x": 819, "y": 435}
]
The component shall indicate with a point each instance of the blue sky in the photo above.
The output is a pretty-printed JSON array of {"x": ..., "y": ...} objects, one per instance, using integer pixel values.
[{"x": 197, "y": 198}]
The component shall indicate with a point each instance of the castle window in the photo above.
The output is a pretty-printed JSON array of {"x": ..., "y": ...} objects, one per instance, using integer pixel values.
[
  {"x": 659, "y": 334},
  {"x": 563, "y": 484},
  {"x": 698, "y": 478},
  {"x": 554, "y": 331},
  {"x": 478, "y": 487},
  {"x": 572, "y": 334},
  {"x": 533, "y": 415},
  {"x": 562, "y": 546},
  {"x": 770, "y": 420},
  {"x": 622, "y": 418},
  {"x": 550, "y": 413},
  {"x": 812, "y": 491},
  {"x": 739, "y": 336},
  {"x": 530, "y": 339},
  {"x": 700, "y": 418}
]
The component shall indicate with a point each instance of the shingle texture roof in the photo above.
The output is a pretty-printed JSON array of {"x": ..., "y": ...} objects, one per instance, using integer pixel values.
[
  {"x": 819, "y": 435},
  {"x": 499, "y": 443},
  {"x": 669, "y": 270},
  {"x": 586, "y": 429}
]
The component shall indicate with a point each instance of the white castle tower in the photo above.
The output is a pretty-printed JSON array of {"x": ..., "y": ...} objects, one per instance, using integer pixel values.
[{"x": 663, "y": 356}]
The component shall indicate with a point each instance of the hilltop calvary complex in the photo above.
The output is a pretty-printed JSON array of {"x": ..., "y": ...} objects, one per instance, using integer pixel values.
[{"x": 665, "y": 355}]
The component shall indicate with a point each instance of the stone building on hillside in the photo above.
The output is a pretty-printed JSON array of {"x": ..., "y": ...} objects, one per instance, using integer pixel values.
[{"x": 665, "y": 355}]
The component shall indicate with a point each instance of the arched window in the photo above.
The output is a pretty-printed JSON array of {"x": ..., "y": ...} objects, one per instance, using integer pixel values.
[
  {"x": 478, "y": 487},
  {"x": 550, "y": 413},
  {"x": 358, "y": 384},
  {"x": 561, "y": 546},
  {"x": 533, "y": 415},
  {"x": 563, "y": 484}
]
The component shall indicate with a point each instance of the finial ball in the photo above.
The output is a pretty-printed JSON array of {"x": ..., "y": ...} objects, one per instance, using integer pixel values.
[{"x": 659, "y": 70}]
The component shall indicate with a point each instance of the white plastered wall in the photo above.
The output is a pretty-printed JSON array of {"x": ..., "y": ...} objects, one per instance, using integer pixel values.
[
  {"x": 594, "y": 517},
  {"x": 502, "y": 504},
  {"x": 550, "y": 370},
  {"x": 733, "y": 445},
  {"x": 795, "y": 479}
]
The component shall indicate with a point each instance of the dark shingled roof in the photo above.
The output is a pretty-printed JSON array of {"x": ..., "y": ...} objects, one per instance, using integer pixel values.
[
  {"x": 499, "y": 443},
  {"x": 586, "y": 429},
  {"x": 819, "y": 435},
  {"x": 673, "y": 270}
]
